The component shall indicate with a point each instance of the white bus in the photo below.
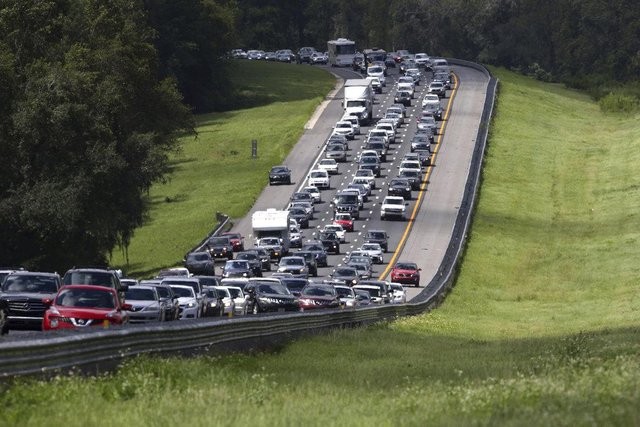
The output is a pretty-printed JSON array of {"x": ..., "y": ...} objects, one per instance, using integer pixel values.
[{"x": 341, "y": 52}]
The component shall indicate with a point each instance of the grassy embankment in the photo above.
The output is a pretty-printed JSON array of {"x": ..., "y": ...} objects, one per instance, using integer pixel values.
[
  {"x": 214, "y": 171},
  {"x": 542, "y": 327}
]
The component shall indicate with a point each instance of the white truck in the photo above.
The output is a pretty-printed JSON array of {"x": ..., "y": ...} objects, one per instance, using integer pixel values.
[
  {"x": 358, "y": 99},
  {"x": 272, "y": 223}
]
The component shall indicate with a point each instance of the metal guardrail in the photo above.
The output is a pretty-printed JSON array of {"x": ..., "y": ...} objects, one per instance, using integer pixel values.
[{"x": 100, "y": 350}]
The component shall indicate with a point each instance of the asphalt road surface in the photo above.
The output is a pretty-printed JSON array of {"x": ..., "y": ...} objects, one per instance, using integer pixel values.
[{"x": 426, "y": 234}]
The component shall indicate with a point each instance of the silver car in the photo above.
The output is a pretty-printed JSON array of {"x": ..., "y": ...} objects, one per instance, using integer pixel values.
[{"x": 145, "y": 304}]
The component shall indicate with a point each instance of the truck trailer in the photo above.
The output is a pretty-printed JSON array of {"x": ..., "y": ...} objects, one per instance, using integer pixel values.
[
  {"x": 272, "y": 223},
  {"x": 358, "y": 99}
]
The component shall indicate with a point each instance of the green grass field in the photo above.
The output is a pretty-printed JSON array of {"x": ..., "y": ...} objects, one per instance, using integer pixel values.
[
  {"x": 214, "y": 171},
  {"x": 542, "y": 327}
]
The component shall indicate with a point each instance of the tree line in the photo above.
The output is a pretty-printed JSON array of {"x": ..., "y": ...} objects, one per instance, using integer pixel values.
[{"x": 95, "y": 93}]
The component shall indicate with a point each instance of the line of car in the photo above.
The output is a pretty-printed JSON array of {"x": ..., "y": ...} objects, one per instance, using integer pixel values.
[{"x": 196, "y": 291}]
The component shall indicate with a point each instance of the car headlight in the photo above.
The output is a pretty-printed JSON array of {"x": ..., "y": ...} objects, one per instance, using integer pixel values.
[{"x": 191, "y": 304}]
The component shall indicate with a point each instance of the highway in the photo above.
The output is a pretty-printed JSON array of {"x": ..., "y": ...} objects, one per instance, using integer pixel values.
[{"x": 436, "y": 212}]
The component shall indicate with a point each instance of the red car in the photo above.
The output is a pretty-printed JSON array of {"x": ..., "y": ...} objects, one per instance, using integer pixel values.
[
  {"x": 345, "y": 220},
  {"x": 80, "y": 306},
  {"x": 237, "y": 241},
  {"x": 406, "y": 273}
]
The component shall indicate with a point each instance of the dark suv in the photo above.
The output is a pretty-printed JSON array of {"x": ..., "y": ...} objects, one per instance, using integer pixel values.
[
  {"x": 96, "y": 277},
  {"x": 24, "y": 292},
  {"x": 220, "y": 247},
  {"x": 200, "y": 263},
  {"x": 377, "y": 236}
]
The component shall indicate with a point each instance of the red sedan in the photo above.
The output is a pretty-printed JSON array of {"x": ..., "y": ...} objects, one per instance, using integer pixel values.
[
  {"x": 345, "y": 220},
  {"x": 406, "y": 273},
  {"x": 79, "y": 306},
  {"x": 237, "y": 241}
]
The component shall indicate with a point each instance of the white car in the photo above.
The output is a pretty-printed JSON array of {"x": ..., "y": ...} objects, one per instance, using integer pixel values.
[
  {"x": 374, "y": 250},
  {"x": 337, "y": 228},
  {"x": 347, "y": 296},
  {"x": 315, "y": 193},
  {"x": 422, "y": 59},
  {"x": 390, "y": 129},
  {"x": 410, "y": 164},
  {"x": 406, "y": 83},
  {"x": 368, "y": 175},
  {"x": 393, "y": 207},
  {"x": 344, "y": 127},
  {"x": 379, "y": 133},
  {"x": 399, "y": 293},
  {"x": 330, "y": 165},
  {"x": 238, "y": 298},
  {"x": 368, "y": 153},
  {"x": 227, "y": 299},
  {"x": 354, "y": 122},
  {"x": 430, "y": 99},
  {"x": 319, "y": 178},
  {"x": 377, "y": 71},
  {"x": 189, "y": 305}
]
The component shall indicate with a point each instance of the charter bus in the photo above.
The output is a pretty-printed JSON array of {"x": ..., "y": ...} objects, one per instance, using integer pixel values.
[{"x": 341, "y": 52}]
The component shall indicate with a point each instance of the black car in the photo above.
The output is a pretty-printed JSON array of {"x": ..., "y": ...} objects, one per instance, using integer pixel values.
[
  {"x": 213, "y": 303},
  {"x": 403, "y": 97},
  {"x": 378, "y": 147},
  {"x": 400, "y": 187},
  {"x": 371, "y": 163},
  {"x": 317, "y": 248},
  {"x": 330, "y": 241},
  {"x": 237, "y": 268},
  {"x": 312, "y": 262},
  {"x": 255, "y": 261},
  {"x": 377, "y": 236},
  {"x": 269, "y": 296},
  {"x": 220, "y": 247},
  {"x": 347, "y": 203},
  {"x": 425, "y": 157},
  {"x": 265, "y": 257},
  {"x": 420, "y": 143},
  {"x": 346, "y": 275},
  {"x": 414, "y": 177},
  {"x": 300, "y": 215},
  {"x": 23, "y": 293},
  {"x": 280, "y": 175},
  {"x": 200, "y": 262}
]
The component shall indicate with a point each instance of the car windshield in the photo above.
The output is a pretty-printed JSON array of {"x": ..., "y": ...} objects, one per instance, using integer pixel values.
[
  {"x": 223, "y": 292},
  {"x": 370, "y": 247},
  {"x": 318, "y": 291},
  {"x": 318, "y": 174},
  {"x": 278, "y": 169},
  {"x": 163, "y": 292},
  {"x": 235, "y": 292},
  {"x": 346, "y": 198},
  {"x": 314, "y": 248},
  {"x": 292, "y": 261},
  {"x": 373, "y": 292},
  {"x": 345, "y": 272},
  {"x": 377, "y": 235},
  {"x": 236, "y": 264},
  {"x": 344, "y": 292},
  {"x": 30, "y": 284},
  {"x": 270, "y": 241},
  {"x": 375, "y": 70},
  {"x": 139, "y": 294},
  {"x": 183, "y": 291},
  {"x": 344, "y": 125},
  {"x": 88, "y": 298},
  {"x": 406, "y": 266},
  {"x": 412, "y": 173},
  {"x": 95, "y": 278},
  {"x": 203, "y": 256},
  {"x": 273, "y": 288},
  {"x": 219, "y": 241},
  {"x": 247, "y": 256}
]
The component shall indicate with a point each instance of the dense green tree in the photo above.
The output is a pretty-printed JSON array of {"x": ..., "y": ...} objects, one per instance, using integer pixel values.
[{"x": 86, "y": 128}]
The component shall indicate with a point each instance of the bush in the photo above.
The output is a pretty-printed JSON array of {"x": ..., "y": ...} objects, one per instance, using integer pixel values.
[{"x": 619, "y": 102}]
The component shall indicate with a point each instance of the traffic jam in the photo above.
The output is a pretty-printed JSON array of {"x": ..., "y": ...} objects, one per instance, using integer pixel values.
[{"x": 335, "y": 246}]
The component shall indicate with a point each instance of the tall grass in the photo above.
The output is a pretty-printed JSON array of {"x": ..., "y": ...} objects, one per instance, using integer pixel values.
[{"x": 542, "y": 327}]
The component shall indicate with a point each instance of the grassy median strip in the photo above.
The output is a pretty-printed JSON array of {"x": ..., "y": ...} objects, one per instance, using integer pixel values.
[
  {"x": 215, "y": 171},
  {"x": 542, "y": 327}
]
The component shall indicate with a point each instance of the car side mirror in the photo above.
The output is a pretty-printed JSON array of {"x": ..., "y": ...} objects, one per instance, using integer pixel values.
[
  {"x": 127, "y": 306},
  {"x": 47, "y": 302}
]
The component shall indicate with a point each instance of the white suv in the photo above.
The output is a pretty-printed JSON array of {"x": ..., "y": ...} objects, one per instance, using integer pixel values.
[
  {"x": 319, "y": 178},
  {"x": 393, "y": 207}
]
